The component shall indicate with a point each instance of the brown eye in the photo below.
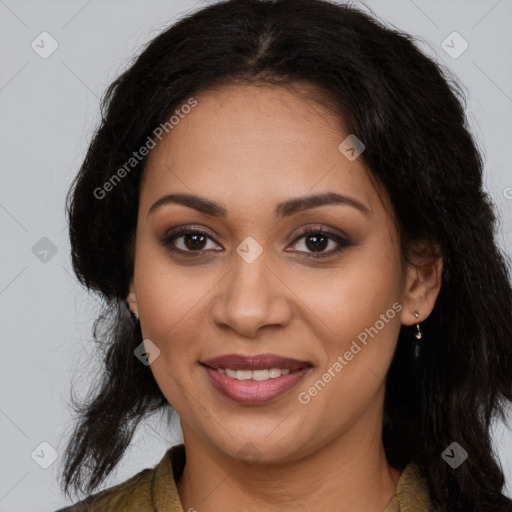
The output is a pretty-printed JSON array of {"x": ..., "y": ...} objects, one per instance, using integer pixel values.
[
  {"x": 316, "y": 240},
  {"x": 194, "y": 241},
  {"x": 317, "y": 243},
  {"x": 191, "y": 241}
]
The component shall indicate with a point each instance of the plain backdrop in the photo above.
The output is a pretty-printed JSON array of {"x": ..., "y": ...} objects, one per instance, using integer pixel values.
[{"x": 49, "y": 108}]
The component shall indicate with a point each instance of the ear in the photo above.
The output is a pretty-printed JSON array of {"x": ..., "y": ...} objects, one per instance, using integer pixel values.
[
  {"x": 131, "y": 299},
  {"x": 422, "y": 283}
]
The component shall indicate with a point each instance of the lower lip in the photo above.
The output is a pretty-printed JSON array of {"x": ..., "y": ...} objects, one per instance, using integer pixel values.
[{"x": 253, "y": 392}]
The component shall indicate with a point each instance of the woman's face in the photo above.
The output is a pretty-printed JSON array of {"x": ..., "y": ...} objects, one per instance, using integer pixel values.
[{"x": 248, "y": 283}]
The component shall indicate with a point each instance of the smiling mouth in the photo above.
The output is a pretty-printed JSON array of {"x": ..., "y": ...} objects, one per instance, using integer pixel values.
[{"x": 253, "y": 380}]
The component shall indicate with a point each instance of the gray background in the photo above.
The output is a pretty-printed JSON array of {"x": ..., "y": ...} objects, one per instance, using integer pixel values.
[{"x": 49, "y": 108}]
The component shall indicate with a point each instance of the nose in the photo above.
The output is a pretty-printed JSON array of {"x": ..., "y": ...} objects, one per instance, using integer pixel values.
[{"x": 252, "y": 296}]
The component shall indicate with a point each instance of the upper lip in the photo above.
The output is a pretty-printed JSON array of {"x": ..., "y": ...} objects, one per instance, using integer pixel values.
[{"x": 257, "y": 362}]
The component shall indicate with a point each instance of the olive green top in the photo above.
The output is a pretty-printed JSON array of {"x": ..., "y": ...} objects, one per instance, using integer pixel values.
[{"x": 154, "y": 490}]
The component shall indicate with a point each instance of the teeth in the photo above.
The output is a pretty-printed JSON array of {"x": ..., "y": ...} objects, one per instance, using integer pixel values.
[
  {"x": 260, "y": 374},
  {"x": 272, "y": 373}
]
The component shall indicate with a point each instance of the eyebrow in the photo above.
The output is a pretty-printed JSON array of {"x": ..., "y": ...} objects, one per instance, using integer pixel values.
[{"x": 284, "y": 209}]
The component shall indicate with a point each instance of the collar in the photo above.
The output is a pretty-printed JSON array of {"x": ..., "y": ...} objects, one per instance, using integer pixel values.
[{"x": 163, "y": 486}]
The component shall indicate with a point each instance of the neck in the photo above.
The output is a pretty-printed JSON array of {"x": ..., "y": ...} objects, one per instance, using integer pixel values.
[{"x": 348, "y": 474}]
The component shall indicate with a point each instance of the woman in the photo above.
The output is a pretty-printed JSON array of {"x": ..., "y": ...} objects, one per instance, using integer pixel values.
[{"x": 286, "y": 197}]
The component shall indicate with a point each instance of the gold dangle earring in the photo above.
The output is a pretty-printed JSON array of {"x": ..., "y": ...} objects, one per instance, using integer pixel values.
[
  {"x": 418, "y": 330},
  {"x": 418, "y": 336}
]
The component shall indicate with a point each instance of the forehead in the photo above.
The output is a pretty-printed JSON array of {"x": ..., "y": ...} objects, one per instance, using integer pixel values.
[{"x": 257, "y": 143}]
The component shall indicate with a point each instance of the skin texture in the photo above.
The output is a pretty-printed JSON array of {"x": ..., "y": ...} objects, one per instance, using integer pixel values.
[{"x": 249, "y": 148}]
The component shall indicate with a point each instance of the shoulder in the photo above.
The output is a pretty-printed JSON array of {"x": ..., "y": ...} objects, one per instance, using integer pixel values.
[
  {"x": 412, "y": 491},
  {"x": 138, "y": 493},
  {"x": 132, "y": 494}
]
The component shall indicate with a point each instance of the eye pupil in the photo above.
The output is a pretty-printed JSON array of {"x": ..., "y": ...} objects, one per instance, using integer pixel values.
[
  {"x": 194, "y": 241},
  {"x": 319, "y": 242}
]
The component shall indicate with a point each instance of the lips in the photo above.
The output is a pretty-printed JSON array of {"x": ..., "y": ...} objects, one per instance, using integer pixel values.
[
  {"x": 258, "y": 362},
  {"x": 253, "y": 380}
]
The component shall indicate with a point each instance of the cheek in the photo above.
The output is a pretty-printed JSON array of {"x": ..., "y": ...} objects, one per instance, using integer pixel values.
[
  {"x": 345, "y": 300},
  {"x": 171, "y": 301},
  {"x": 170, "y": 311},
  {"x": 358, "y": 322}
]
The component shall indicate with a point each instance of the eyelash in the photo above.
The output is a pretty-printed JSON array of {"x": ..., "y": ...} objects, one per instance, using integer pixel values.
[{"x": 168, "y": 240}]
